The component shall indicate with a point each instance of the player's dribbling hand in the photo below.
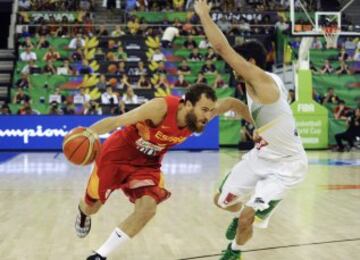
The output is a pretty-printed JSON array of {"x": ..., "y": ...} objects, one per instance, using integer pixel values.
[{"x": 202, "y": 7}]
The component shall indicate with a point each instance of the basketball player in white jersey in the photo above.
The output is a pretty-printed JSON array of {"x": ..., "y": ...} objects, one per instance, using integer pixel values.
[{"x": 278, "y": 161}]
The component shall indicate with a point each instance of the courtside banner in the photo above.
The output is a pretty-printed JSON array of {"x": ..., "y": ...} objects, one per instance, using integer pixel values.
[{"x": 47, "y": 132}]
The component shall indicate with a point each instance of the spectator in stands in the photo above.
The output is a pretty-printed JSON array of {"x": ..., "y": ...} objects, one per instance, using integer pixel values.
[
  {"x": 43, "y": 30},
  {"x": 161, "y": 68},
  {"x": 139, "y": 70},
  {"x": 65, "y": 69},
  {"x": 54, "y": 109},
  {"x": 327, "y": 68},
  {"x": 142, "y": 5},
  {"x": 63, "y": 31},
  {"x": 24, "y": 5},
  {"x": 49, "y": 68},
  {"x": 31, "y": 68},
  {"x": 349, "y": 44},
  {"x": 281, "y": 24},
  {"x": 85, "y": 68},
  {"x": 178, "y": 5},
  {"x": 195, "y": 55},
  {"x": 317, "y": 43},
  {"x": 77, "y": 42},
  {"x": 224, "y": 24},
  {"x": 317, "y": 97},
  {"x": 121, "y": 69},
  {"x": 243, "y": 27},
  {"x": 68, "y": 107},
  {"x": 133, "y": 26},
  {"x": 56, "y": 97},
  {"x": 201, "y": 79},
  {"x": 351, "y": 132},
  {"x": 158, "y": 56},
  {"x": 102, "y": 31},
  {"x": 211, "y": 55},
  {"x": 43, "y": 43},
  {"x": 77, "y": 55},
  {"x": 25, "y": 109},
  {"x": 204, "y": 44},
  {"x": 92, "y": 108},
  {"x": 130, "y": 97},
  {"x": 109, "y": 97},
  {"x": 51, "y": 55},
  {"x": 124, "y": 83},
  {"x": 20, "y": 97},
  {"x": 23, "y": 82},
  {"x": 26, "y": 44},
  {"x": 184, "y": 68},
  {"x": 341, "y": 111},
  {"x": 219, "y": 82},
  {"x": 190, "y": 43},
  {"x": 85, "y": 5},
  {"x": 5, "y": 110},
  {"x": 343, "y": 56},
  {"x": 102, "y": 84},
  {"x": 121, "y": 55},
  {"x": 343, "y": 68},
  {"x": 28, "y": 55},
  {"x": 357, "y": 55},
  {"x": 208, "y": 67},
  {"x": 330, "y": 97},
  {"x": 117, "y": 32},
  {"x": 82, "y": 97},
  {"x": 168, "y": 36},
  {"x": 143, "y": 82},
  {"x": 291, "y": 96},
  {"x": 181, "y": 82},
  {"x": 246, "y": 135},
  {"x": 163, "y": 87}
]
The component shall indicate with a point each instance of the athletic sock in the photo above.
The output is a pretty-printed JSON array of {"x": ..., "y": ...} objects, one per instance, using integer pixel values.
[
  {"x": 117, "y": 238},
  {"x": 235, "y": 246}
]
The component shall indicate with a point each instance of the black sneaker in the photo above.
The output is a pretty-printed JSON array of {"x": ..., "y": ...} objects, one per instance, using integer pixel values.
[
  {"x": 82, "y": 224},
  {"x": 96, "y": 256}
]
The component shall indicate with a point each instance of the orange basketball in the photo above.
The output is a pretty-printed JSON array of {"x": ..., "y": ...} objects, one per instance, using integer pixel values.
[
  {"x": 81, "y": 146},
  {"x": 112, "y": 68}
]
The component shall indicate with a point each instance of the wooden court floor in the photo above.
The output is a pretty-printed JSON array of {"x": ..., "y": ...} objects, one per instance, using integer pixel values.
[{"x": 320, "y": 219}]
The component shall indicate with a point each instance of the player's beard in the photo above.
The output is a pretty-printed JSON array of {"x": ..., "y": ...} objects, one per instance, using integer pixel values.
[{"x": 192, "y": 123}]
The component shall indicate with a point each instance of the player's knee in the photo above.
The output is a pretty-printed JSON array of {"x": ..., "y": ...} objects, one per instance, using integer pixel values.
[{"x": 246, "y": 218}]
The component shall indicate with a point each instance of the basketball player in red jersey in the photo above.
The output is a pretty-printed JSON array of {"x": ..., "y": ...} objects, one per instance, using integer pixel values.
[{"x": 130, "y": 158}]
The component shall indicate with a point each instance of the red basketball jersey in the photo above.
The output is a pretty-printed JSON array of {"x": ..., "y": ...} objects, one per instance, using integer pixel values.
[{"x": 156, "y": 140}]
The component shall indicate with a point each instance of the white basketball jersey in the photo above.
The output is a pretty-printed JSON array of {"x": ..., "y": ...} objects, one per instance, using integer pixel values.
[{"x": 275, "y": 123}]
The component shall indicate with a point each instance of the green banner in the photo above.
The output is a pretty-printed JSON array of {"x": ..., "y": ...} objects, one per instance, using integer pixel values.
[
  {"x": 311, "y": 118},
  {"x": 346, "y": 87},
  {"x": 159, "y": 17}
]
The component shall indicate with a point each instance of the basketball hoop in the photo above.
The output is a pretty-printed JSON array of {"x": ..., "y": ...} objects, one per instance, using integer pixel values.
[{"x": 331, "y": 35}]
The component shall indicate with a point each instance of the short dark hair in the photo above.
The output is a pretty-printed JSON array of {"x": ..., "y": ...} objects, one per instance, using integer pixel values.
[
  {"x": 194, "y": 93},
  {"x": 255, "y": 50}
]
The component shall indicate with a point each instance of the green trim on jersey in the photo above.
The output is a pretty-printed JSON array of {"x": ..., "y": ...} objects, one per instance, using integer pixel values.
[
  {"x": 223, "y": 182},
  {"x": 262, "y": 214}
]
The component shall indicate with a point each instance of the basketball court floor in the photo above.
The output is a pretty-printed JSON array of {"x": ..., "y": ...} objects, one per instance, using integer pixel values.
[{"x": 320, "y": 219}]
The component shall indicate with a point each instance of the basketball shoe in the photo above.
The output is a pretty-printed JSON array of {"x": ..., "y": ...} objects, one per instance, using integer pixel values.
[
  {"x": 82, "y": 224},
  {"x": 96, "y": 256},
  {"x": 230, "y": 254}
]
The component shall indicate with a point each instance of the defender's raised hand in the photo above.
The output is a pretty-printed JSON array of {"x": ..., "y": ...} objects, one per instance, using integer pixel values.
[{"x": 202, "y": 7}]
